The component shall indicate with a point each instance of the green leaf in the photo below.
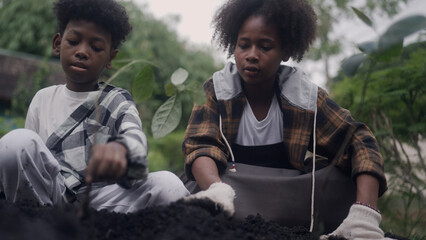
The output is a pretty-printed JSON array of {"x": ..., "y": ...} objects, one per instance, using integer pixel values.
[
  {"x": 196, "y": 93},
  {"x": 117, "y": 64},
  {"x": 167, "y": 117},
  {"x": 396, "y": 93},
  {"x": 180, "y": 87},
  {"x": 362, "y": 16},
  {"x": 179, "y": 76},
  {"x": 386, "y": 55},
  {"x": 170, "y": 89},
  {"x": 198, "y": 97},
  {"x": 350, "y": 65},
  {"x": 125, "y": 68},
  {"x": 143, "y": 85},
  {"x": 417, "y": 127},
  {"x": 368, "y": 47},
  {"x": 380, "y": 133},
  {"x": 401, "y": 29}
]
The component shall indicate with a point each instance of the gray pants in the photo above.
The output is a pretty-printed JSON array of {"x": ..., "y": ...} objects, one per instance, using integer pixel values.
[{"x": 28, "y": 171}]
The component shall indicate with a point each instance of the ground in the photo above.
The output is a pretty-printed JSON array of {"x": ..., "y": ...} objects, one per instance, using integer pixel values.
[{"x": 199, "y": 220}]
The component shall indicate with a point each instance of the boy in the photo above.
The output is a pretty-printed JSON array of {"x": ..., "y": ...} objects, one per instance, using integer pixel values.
[
  {"x": 262, "y": 119},
  {"x": 84, "y": 132}
]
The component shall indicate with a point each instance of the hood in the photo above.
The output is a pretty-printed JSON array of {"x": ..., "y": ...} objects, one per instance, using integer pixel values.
[{"x": 294, "y": 85}]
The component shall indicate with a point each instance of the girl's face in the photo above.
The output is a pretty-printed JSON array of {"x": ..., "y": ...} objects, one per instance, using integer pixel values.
[{"x": 258, "y": 52}]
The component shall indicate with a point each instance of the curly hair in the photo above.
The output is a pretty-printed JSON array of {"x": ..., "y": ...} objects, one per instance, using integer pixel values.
[
  {"x": 107, "y": 13},
  {"x": 295, "y": 19}
]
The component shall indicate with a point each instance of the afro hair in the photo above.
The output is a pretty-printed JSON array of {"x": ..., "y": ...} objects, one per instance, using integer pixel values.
[
  {"x": 295, "y": 19},
  {"x": 107, "y": 13}
]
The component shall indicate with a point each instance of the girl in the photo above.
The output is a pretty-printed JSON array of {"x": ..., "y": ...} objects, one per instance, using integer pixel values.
[{"x": 277, "y": 132}]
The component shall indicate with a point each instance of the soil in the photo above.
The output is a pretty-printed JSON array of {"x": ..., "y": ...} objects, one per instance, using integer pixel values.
[{"x": 196, "y": 220}]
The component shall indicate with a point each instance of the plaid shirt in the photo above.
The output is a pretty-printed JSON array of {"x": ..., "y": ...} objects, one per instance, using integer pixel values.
[
  {"x": 298, "y": 99},
  {"x": 115, "y": 119}
]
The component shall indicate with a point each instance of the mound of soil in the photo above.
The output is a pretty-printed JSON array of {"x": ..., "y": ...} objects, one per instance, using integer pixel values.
[{"x": 196, "y": 220}]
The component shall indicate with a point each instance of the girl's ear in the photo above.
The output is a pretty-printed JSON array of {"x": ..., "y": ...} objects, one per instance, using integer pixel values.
[
  {"x": 56, "y": 44},
  {"x": 111, "y": 57}
]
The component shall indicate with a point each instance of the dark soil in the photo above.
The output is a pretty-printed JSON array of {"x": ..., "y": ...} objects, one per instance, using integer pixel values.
[{"x": 197, "y": 220}]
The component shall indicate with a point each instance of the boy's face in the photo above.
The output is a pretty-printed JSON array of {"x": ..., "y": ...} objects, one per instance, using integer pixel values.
[
  {"x": 258, "y": 52},
  {"x": 85, "y": 50}
]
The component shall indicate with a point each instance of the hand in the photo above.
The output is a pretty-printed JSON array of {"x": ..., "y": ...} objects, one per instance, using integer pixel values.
[
  {"x": 107, "y": 163},
  {"x": 362, "y": 223},
  {"x": 220, "y": 193}
]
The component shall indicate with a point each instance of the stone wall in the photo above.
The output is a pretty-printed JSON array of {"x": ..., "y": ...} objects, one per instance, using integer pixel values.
[{"x": 18, "y": 67}]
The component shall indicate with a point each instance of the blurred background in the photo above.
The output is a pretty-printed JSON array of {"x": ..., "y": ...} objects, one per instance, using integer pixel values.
[{"x": 384, "y": 89}]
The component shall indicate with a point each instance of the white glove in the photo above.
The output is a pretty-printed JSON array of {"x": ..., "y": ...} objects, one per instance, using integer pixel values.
[
  {"x": 221, "y": 194},
  {"x": 362, "y": 223}
]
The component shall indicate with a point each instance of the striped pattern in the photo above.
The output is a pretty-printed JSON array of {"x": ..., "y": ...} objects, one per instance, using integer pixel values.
[{"x": 115, "y": 119}]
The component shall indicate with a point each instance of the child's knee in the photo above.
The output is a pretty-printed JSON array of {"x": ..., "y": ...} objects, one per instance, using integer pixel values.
[
  {"x": 18, "y": 137},
  {"x": 13, "y": 144}
]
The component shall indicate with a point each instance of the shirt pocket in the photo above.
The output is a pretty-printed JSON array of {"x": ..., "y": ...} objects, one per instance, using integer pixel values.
[{"x": 95, "y": 133}]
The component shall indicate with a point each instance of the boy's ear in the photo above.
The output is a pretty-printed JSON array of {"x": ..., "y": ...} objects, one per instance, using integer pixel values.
[
  {"x": 56, "y": 44},
  {"x": 285, "y": 58},
  {"x": 113, "y": 54}
]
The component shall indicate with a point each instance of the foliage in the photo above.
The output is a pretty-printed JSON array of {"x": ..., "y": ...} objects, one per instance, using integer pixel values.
[
  {"x": 143, "y": 89},
  {"x": 7, "y": 124},
  {"x": 331, "y": 13},
  {"x": 384, "y": 86},
  {"x": 27, "y": 26},
  {"x": 161, "y": 104},
  {"x": 24, "y": 92},
  {"x": 169, "y": 114},
  {"x": 388, "y": 46},
  {"x": 167, "y": 117},
  {"x": 166, "y": 153},
  {"x": 156, "y": 42}
]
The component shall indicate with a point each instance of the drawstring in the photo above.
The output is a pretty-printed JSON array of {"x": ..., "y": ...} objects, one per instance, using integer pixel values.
[
  {"x": 233, "y": 169},
  {"x": 313, "y": 171}
]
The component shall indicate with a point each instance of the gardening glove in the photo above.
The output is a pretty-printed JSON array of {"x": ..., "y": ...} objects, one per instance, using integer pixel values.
[
  {"x": 362, "y": 223},
  {"x": 220, "y": 193}
]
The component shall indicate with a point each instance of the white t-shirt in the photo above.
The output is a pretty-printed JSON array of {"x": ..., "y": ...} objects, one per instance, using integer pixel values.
[
  {"x": 252, "y": 132},
  {"x": 50, "y": 107}
]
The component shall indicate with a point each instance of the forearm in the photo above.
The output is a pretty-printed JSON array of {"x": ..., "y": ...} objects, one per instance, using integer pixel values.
[
  {"x": 135, "y": 141},
  {"x": 367, "y": 189},
  {"x": 362, "y": 148},
  {"x": 363, "y": 219},
  {"x": 205, "y": 172}
]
